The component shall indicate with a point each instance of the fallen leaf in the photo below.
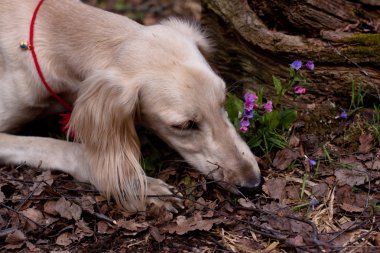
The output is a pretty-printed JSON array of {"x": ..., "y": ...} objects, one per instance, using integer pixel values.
[
  {"x": 2, "y": 196},
  {"x": 246, "y": 203},
  {"x": 155, "y": 233},
  {"x": 284, "y": 158},
  {"x": 370, "y": 165},
  {"x": 83, "y": 230},
  {"x": 44, "y": 178},
  {"x": 184, "y": 225},
  {"x": 132, "y": 225},
  {"x": 16, "y": 237},
  {"x": 32, "y": 248},
  {"x": 377, "y": 239},
  {"x": 298, "y": 240},
  {"x": 366, "y": 141},
  {"x": 64, "y": 239},
  {"x": 294, "y": 141},
  {"x": 87, "y": 203},
  {"x": 68, "y": 210},
  {"x": 320, "y": 190},
  {"x": 353, "y": 176},
  {"x": 104, "y": 228},
  {"x": 349, "y": 200},
  {"x": 274, "y": 187},
  {"x": 50, "y": 207},
  {"x": 36, "y": 216}
]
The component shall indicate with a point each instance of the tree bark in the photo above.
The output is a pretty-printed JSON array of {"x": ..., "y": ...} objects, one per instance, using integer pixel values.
[{"x": 256, "y": 39}]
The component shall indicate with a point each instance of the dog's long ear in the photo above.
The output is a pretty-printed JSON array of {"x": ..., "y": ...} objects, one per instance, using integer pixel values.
[
  {"x": 103, "y": 120},
  {"x": 193, "y": 31}
]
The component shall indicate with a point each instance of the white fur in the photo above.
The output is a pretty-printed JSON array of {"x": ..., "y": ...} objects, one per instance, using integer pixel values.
[{"x": 116, "y": 73}]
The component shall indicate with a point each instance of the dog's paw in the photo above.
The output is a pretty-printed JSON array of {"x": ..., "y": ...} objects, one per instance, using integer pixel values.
[{"x": 161, "y": 194}]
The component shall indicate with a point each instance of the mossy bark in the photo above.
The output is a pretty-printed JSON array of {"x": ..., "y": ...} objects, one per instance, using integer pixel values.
[{"x": 256, "y": 39}]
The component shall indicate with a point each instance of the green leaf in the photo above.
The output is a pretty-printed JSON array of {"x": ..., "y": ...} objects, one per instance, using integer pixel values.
[
  {"x": 272, "y": 120},
  {"x": 287, "y": 118},
  {"x": 277, "y": 85},
  {"x": 234, "y": 106}
]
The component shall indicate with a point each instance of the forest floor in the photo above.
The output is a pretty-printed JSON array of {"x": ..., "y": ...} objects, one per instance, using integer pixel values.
[{"x": 332, "y": 206}]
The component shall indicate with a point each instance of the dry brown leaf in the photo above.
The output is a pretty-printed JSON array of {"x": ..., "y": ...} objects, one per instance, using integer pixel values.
[
  {"x": 184, "y": 225},
  {"x": 284, "y": 158},
  {"x": 14, "y": 246},
  {"x": 366, "y": 141},
  {"x": 377, "y": 239},
  {"x": 43, "y": 179},
  {"x": 132, "y": 225},
  {"x": 370, "y": 165},
  {"x": 64, "y": 239},
  {"x": 34, "y": 215},
  {"x": 49, "y": 207},
  {"x": 246, "y": 203},
  {"x": 68, "y": 210},
  {"x": 350, "y": 201},
  {"x": 275, "y": 188},
  {"x": 87, "y": 203},
  {"x": 298, "y": 240},
  {"x": 16, "y": 237},
  {"x": 83, "y": 230},
  {"x": 103, "y": 227},
  {"x": 155, "y": 233},
  {"x": 294, "y": 141},
  {"x": 355, "y": 176},
  {"x": 32, "y": 248},
  {"x": 2, "y": 196}
]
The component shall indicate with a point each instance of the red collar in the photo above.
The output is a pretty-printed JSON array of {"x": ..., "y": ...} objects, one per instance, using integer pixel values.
[
  {"x": 41, "y": 75},
  {"x": 65, "y": 118}
]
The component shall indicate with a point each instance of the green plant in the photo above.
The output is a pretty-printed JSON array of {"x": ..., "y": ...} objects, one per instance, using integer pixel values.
[
  {"x": 357, "y": 97},
  {"x": 264, "y": 123}
]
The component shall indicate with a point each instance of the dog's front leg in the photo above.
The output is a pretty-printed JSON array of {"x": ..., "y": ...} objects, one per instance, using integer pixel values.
[
  {"x": 161, "y": 194},
  {"x": 46, "y": 153}
]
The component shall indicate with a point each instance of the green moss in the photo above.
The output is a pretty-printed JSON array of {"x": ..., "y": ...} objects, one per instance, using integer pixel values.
[
  {"x": 364, "y": 39},
  {"x": 363, "y": 46}
]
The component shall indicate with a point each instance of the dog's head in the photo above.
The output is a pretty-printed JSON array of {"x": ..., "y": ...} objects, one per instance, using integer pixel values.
[
  {"x": 162, "y": 74},
  {"x": 183, "y": 99}
]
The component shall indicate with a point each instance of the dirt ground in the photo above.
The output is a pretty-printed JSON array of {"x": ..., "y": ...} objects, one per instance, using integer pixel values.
[{"x": 332, "y": 206}]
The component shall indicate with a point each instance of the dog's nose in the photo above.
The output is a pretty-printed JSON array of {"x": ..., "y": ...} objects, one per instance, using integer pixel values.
[{"x": 253, "y": 188}]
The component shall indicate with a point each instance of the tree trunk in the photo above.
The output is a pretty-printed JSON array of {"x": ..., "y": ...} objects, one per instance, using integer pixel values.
[{"x": 256, "y": 39}]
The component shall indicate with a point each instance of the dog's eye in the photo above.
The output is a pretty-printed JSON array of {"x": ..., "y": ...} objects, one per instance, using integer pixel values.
[{"x": 188, "y": 125}]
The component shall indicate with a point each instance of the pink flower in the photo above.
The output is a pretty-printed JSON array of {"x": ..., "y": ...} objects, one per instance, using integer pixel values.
[
  {"x": 244, "y": 129},
  {"x": 251, "y": 97},
  {"x": 249, "y": 103},
  {"x": 299, "y": 90},
  {"x": 268, "y": 106}
]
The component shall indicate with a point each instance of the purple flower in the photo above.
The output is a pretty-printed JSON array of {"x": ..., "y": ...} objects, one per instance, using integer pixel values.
[
  {"x": 268, "y": 106},
  {"x": 248, "y": 105},
  {"x": 313, "y": 202},
  {"x": 244, "y": 122},
  {"x": 299, "y": 90},
  {"x": 309, "y": 65},
  {"x": 250, "y": 99},
  {"x": 296, "y": 65},
  {"x": 312, "y": 162},
  {"x": 244, "y": 129},
  {"x": 248, "y": 114},
  {"x": 344, "y": 115}
]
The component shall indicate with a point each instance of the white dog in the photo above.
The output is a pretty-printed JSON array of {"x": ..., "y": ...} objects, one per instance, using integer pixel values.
[{"x": 116, "y": 73}]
